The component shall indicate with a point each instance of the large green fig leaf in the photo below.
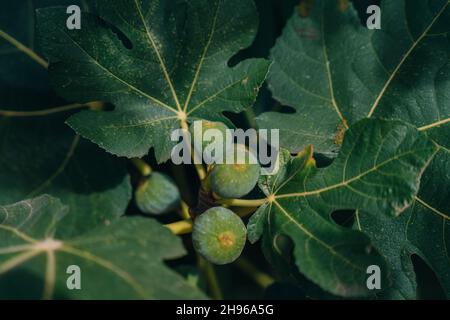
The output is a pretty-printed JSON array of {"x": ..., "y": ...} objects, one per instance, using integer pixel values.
[
  {"x": 160, "y": 63},
  {"x": 377, "y": 170},
  {"x": 334, "y": 71},
  {"x": 423, "y": 230},
  {"x": 345, "y": 72},
  {"x": 123, "y": 260},
  {"x": 41, "y": 154}
]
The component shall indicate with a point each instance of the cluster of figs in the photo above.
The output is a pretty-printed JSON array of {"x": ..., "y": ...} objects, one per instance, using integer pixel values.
[{"x": 218, "y": 234}]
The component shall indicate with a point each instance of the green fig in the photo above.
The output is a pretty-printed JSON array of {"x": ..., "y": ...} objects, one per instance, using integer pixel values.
[
  {"x": 198, "y": 128},
  {"x": 234, "y": 180},
  {"x": 158, "y": 194},
  {"x": 219, "y": 235}
]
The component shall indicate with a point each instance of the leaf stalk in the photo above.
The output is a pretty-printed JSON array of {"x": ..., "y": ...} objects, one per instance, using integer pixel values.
[
  {"x": 144, "y": 169},
  {"x": 243, "y": 202},
  {"x": 180, "y": 227},
  {"x": 260, "y": 278}
]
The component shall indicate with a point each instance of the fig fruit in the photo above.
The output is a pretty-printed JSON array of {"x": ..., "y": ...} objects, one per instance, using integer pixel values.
[
  {"x": 234, "y": 180},
  {"x": 198, "y": 128},
  {"x": 158, "y": 194},
  {"x": 219, "y": 235}
]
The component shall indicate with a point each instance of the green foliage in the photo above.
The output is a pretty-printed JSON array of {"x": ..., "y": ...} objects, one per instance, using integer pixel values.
[
  {"x": 345, "y": 72},
  {"x": 42, "y": 155},
  {"x": 175, "y": 69},
  {"x": 120, "y": 261},
  {"x": 364, "y": 128},
  {"x": 302, "y": 199},
  {"x": 421, "y": 229}
]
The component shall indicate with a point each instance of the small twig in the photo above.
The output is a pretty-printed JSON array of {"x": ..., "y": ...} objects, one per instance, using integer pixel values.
[
  {"x": 211, "y": 278},
  {"x": 180, "y": 227},
  {"x": 45, "y": 112},
  {"x": 243, "y": 202},
  {"x": 261, "y": 278},
  {"x": 21, "y": 47},
  {"x": 250, "y": 117},
  {"x": 244, "y": 211},
  {"x": 201, "y": 172},
  {"x": 95, "y": 105},
  {"x": 185, "y": 210},
  {"x": 144, "y": 169}
]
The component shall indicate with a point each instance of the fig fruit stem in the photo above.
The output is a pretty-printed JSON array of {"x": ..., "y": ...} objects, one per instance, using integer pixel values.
[
  {"x": 180, "y": 227},
  {"x": 185, "y": 210},
  {"x": 244, "y": 211},
  {"x": 201, "y": 172},
  {"x": 243, "y": 202},
  {"x": 209, "y": 273},
  {"x": 260, "y": 278},
  {"x": 38, "y": 113},
  {"x": 250, "y": 116},
  {"x": 143, "y": 167}
]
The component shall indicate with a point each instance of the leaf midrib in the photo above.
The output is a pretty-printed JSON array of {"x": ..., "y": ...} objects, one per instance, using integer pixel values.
[
  {"x": 432, "y": 209},
  {"x": 158, "y": 55},
  {"x": 318, "y": 240},
  {"x": 178, "y": 110},
  {"x": 59, "y": 169},
  {"x": 327, "y": 65},
  {"x": 202, "y": 58},
  {"x": 180, "y": 113},
  {"x": 107, "y": 265},
  {"x": 405, "y": 57},
  {"x": 346, "y": 182},
  {"x": 49, "y": 282},
  {"x": 138, "y": 91}
]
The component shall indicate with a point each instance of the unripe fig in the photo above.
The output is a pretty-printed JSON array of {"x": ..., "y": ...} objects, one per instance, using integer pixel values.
[
  {"x": 219, "y": 235},
  {"x": 157, "y": 195},
  {"x": 206, "y": 125},
  {"x": 234, "y": 180}
]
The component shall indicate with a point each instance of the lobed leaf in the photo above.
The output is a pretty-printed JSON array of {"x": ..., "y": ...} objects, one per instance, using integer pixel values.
[
  {"x": 123, "y": 260},
  {"x": 160, "y": 63},
  {"x": 422, "y": 230},
  {"x": 334, "y": 71},
  {"x": 344, "y": 72},
  {"x": 377, "y": 170}
]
